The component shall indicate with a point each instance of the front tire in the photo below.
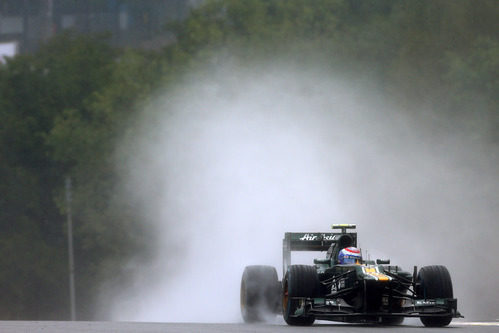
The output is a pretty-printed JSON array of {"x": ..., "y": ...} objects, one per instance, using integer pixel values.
[
  {"x": 260, "y": 290},
  {"x": 435, "y": 282},
  {"x": 392, "y": 321},
  {"x": 300, "y": 281}
]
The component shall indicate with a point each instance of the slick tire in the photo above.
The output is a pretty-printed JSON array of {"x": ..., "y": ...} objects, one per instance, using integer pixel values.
[
  {"x": 392, "y": 321},
  {"x": 435, "y": 282},
  {"x": 300, "y": 281},
  {"x": 260, "y": 290}
]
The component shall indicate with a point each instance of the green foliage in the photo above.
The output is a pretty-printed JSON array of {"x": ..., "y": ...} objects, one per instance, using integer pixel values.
[
  {"x": 47, "y": 130},
  {"x": 31, "y": 271},
  {"x": 64, "y": 108},
  {"x": 472, "y": 79}
]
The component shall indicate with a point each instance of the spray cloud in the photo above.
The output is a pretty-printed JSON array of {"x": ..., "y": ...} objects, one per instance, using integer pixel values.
[{"x": 238, "y": 155}]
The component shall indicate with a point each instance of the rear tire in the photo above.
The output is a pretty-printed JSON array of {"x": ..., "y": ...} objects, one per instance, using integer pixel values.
[
  {"x": 300, "y": 281},
  {"x": 260, "y": 291},
  {"x": 435, "y": 282}
]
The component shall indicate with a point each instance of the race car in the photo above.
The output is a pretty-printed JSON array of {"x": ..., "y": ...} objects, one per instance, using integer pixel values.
[{"x": 344, "y": 287}]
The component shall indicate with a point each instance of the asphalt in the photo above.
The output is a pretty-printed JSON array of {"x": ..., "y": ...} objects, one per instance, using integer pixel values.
[{"x": 126, "y": 327}]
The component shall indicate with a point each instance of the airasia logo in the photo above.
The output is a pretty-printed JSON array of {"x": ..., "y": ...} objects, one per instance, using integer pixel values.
[
  {"x": 313, "y": 237},
  {"x": 308, "y": 237}
]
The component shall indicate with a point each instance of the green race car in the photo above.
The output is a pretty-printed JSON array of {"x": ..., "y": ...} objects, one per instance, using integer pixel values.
[{"x": 345, "y": 287}]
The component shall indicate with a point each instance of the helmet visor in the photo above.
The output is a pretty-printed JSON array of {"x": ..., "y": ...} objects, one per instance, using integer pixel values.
[{"x": 350, "y": 260}]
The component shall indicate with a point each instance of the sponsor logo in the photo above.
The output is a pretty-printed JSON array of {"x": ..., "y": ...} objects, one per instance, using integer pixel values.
[
  {"x": 340, "y": 284},
  {"x": 425, "y": 302},
  {"x": 316, "y": 237},
  {"x": 327, "y": 237},
  {"x": 309, "y": 237}
]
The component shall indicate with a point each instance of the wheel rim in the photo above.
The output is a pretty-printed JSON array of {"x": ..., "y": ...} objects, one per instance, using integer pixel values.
[
  {"x": 243, "y": 296},
  {"x": 285, "y": 297}
]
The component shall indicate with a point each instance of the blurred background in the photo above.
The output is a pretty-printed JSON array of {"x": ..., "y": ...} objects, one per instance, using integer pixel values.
[{"x": 28, "y": 23}]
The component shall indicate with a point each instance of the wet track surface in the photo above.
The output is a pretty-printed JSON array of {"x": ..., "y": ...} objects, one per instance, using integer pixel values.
[{"x": 59, "y": 327}]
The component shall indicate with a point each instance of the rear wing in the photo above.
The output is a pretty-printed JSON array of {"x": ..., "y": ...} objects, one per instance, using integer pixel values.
[{"x": 315, "y": 241}]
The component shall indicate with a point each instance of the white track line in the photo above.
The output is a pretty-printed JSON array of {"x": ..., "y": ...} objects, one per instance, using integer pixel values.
[{"x": 475, "y": 323}]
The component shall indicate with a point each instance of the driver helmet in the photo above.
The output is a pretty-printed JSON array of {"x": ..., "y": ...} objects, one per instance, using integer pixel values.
[{"x": 350, "y": 255}]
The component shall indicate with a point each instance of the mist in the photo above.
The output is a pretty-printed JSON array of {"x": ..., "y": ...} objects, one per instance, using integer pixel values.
[{"x": 234, "y": 156}]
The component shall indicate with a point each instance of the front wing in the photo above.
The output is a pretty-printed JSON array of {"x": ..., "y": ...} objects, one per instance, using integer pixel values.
[{"x": 338, "y": 310}]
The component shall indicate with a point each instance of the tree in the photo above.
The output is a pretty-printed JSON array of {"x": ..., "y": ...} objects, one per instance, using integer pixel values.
[{"x": 35, "y": 90}]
